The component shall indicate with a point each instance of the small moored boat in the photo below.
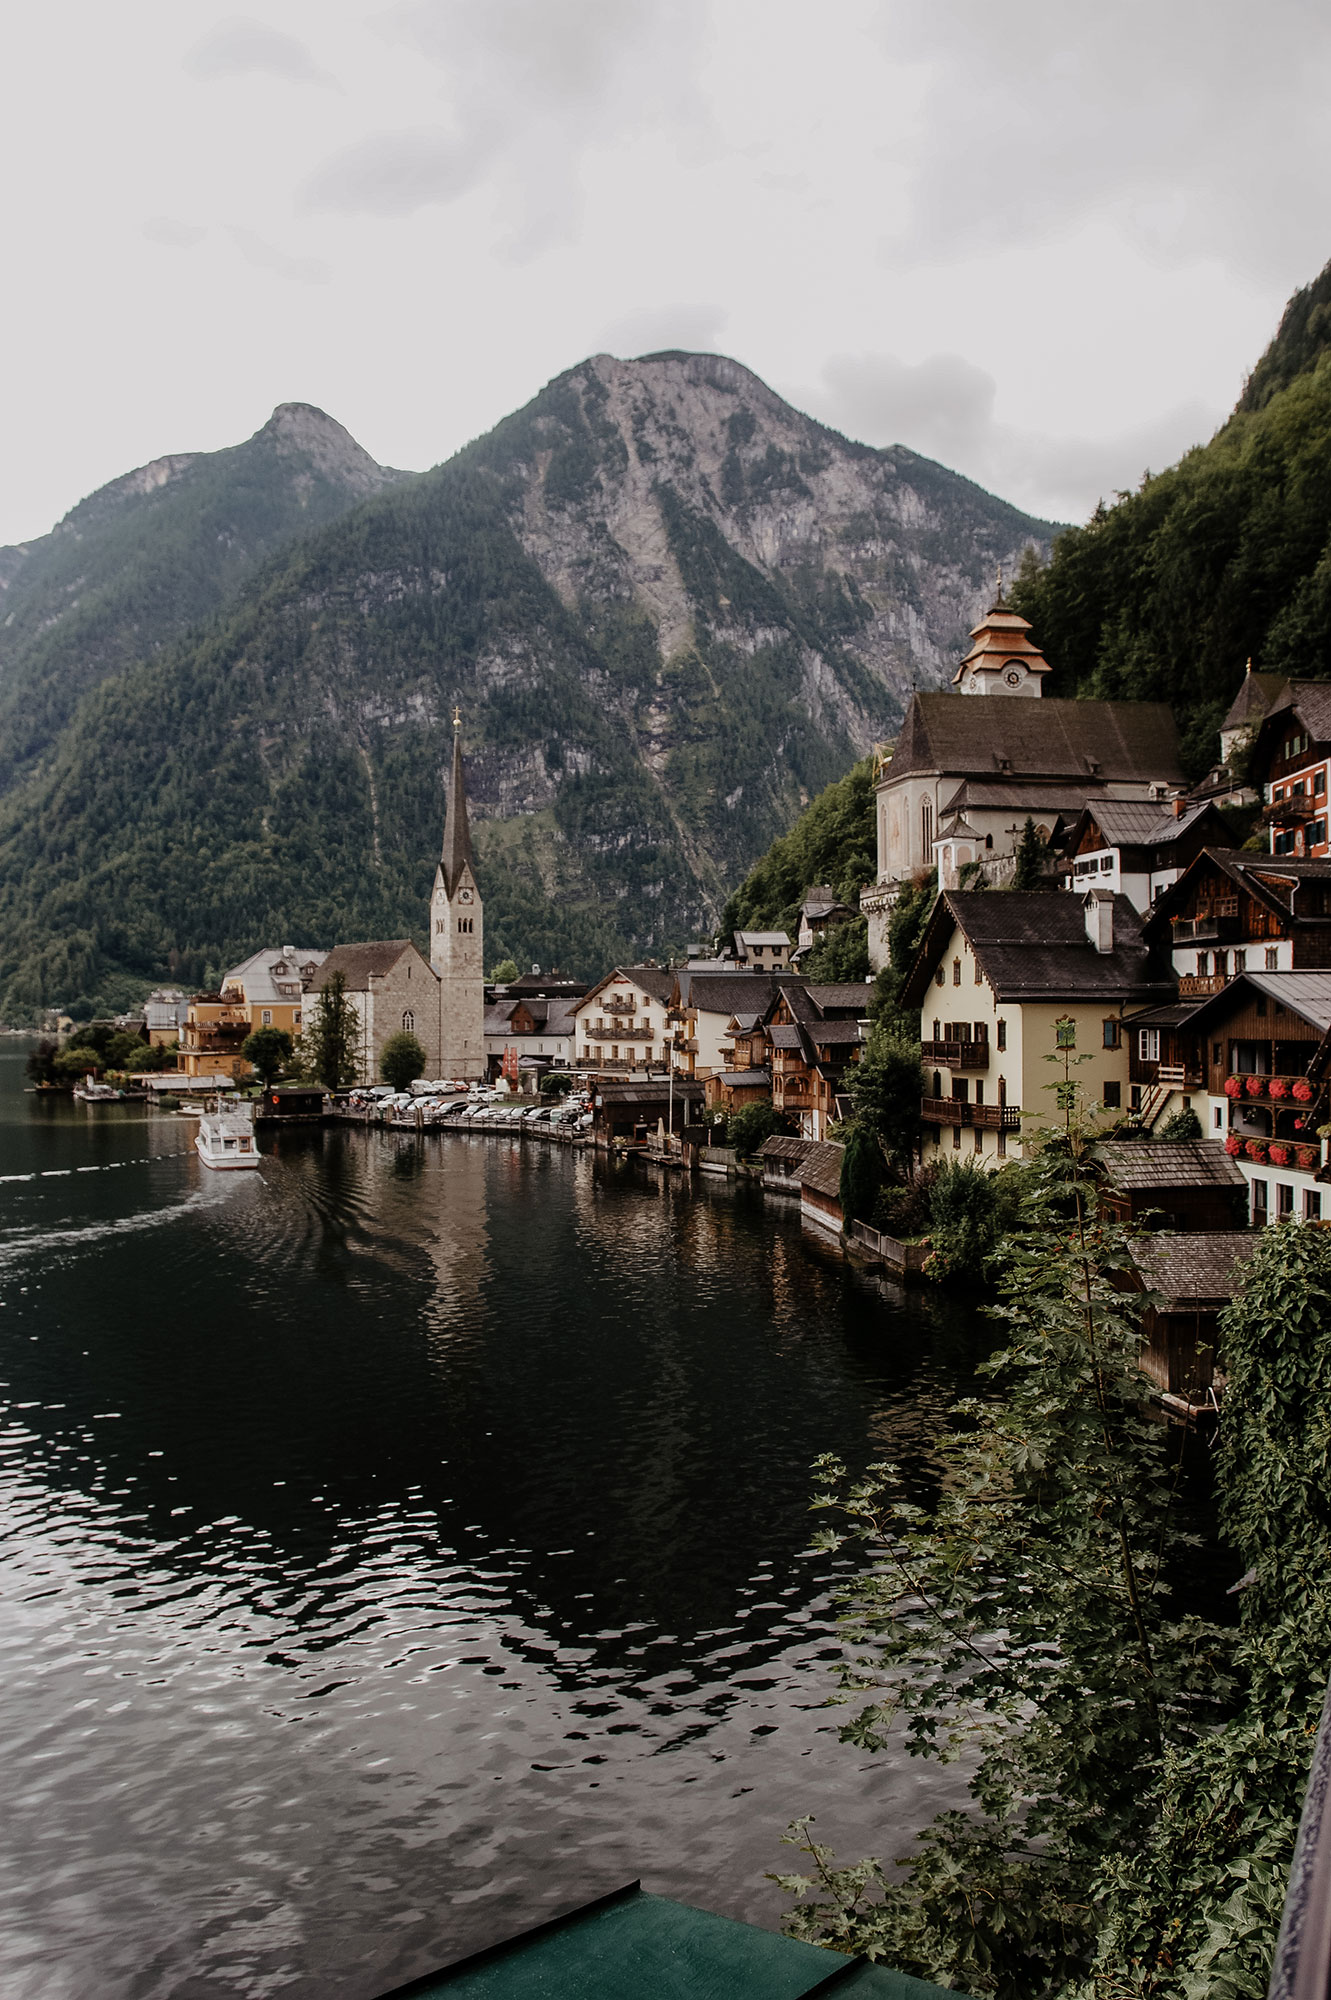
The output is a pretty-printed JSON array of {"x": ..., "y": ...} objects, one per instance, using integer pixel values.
[{"x": 226, "y": 1137}]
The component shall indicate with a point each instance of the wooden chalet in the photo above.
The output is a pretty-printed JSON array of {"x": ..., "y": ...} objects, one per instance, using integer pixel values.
[
  {"x": 1196, "y": 1275},
  {"x": 815, "y": 1034},
  {"x": 820, "y": 1188},
  {"x": 1136, "y": 847},
  {"x": 1232, "y": 911},
  {"x": 1290, "y": 757},
  {"x": 1181, "y": 1186}
]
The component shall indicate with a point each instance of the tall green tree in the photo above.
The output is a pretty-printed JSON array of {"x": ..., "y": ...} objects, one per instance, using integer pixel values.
[
  {"x": 1030, "y": 855},
  {"x": 1030, "y": 1620},
  {"x": 267, "y": 1051},
  {"x": 905, "y": 934},
  {"x": 886, "y": 1087},
  {"x": 401, "y": 1060},
  {"x": 330, "y": 1045},
  {"x": 862, "y": 1173}
]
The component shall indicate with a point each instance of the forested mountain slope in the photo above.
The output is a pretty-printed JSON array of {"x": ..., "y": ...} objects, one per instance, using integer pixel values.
[
  {"x": 671, "y": 609},
  {"x": 145, "y": 558},
  {"x": 1227, "y": 556}
]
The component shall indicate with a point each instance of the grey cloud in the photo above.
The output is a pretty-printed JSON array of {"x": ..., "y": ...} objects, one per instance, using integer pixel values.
[
  {"x": 939, "y": 406},
  {"x": 396, "y": 173},
  {"x": 242, "y": 47},
  {"x": 266, "y": 256},
  {"x": 943, "y": 407},
  {"x": 649, "y": 328},
  {"x": 1189, "y": 126},
  {"x": 175, "y": 235},
  {"x": 531, "y": 86}
]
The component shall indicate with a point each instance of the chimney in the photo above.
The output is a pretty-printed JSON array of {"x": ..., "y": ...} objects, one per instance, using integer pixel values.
[
  {"x": 1099, "y": 911},
  {"x": 1180, "y": 806}
]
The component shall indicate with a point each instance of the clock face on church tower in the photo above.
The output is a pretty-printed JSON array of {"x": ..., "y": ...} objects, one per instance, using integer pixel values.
[
  {"x": 1013, "y": 677},
  {"x": 464, "y": 896}
]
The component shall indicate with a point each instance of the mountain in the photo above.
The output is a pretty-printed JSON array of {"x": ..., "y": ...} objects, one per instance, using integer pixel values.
[
  {"x": 1226, "y": 557},
  {"x": 670, "y": 607},
  {"x": 145, "y": 558}
]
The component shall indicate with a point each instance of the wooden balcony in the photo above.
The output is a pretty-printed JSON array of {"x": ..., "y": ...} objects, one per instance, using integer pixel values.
[
  {"x": 956, "y": 1055},
  {"x": 1176, "y": 1076},
  {"x": 1199, "y": 986},
  {"x": 960, "y": 1111},
  {"x": 1220, "y": 924}
]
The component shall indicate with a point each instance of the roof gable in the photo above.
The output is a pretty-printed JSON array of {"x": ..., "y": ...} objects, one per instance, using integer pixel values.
[
  {"x": 359, "y": 963},
  {"x": 1104, "y": 741},
  {"x": 1032, "y": 945}
]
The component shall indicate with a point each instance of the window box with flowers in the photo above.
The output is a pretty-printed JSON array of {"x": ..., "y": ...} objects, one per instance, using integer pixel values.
[
  {"x": 1233, "y": 1145},
  {"x": 1254, "y": 1085},
  {"x": 1255, "y": 1149},
  {"x": 1303, "y": 1090},
  {"x": 1233, "y": 1086},
  {"x": 1278, "y": 1087},
  {"x": 1279, "y": 1155},
  {"x": 1308, "y": 1157}
]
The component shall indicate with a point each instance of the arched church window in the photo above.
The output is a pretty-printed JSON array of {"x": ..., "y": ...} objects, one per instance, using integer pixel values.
[
  {"x": 408, "y": 1022},
  {"x": 927, "y": 828}
]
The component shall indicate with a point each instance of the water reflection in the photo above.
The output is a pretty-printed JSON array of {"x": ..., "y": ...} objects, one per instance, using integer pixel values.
[{"x": 406, "y": 1537}]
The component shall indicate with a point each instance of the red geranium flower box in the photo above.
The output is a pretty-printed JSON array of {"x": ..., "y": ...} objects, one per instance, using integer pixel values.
[
  {"x": 1233, "y": 1145},
  {"x": 1279, "y": 1087},
  {"x": 1233, "y": 1086},
  {"x": 1303, "y": 1090},
  {"x": 1254, "y": 1085},
  {"x": 1279, "y": 1156},
  {"x": 1308, "y": 1158},
  {"x": 1256, "y": 1149}
]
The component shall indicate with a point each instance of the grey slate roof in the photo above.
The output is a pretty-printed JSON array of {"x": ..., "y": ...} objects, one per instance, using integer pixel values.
[
  {"x": 1196, "y": 1270},
  {"x": 839, "y": 999},
  {"x": 259, "y": 977},
  {"x": 730, "y": 993},
  {"x": 1032, "y": 945},
  {"x": 761, "y": 937},
  {"x": 781, "y": 1147},
  {"x": 983, "y": 795},
  {"x": 1305, "y": 993},
  {"x": 655, "y": 980},
  {"x": 1104, "y": 741},
  {"x": 1254, "y": 698},
  {"x": 1311, "y": 702},
  {"x": 359, "y": 963},
  {"x": 1142, "y": 823},
  {"x": 1144, "y": 1163},
  {"x": 821, "y": 1168},
  {"x": 746, "y": 1079},
  {"x": 785, "y": 1035}
]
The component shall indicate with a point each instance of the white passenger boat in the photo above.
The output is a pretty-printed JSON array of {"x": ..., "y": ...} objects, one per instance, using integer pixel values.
[
  {"x": 89, "y": 1092},
  {"x": 226, "y": 1137}
]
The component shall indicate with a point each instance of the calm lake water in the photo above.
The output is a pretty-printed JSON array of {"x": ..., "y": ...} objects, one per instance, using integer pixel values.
[{"x": 406, "y": 1539}]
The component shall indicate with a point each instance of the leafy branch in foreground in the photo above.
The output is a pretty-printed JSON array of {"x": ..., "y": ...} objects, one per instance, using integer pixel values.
[
  {"x": 1029, "y": 1622},
  {"x": 1136, "y": 1772}
]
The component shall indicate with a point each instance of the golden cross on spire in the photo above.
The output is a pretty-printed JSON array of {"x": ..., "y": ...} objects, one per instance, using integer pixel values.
[
  {"x": 1000, "y": 583},
  {"x": 457, "y": 718}
]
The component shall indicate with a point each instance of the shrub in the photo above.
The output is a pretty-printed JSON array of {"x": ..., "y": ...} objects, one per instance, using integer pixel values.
[
  {"x": 863, "y": 1171},
  {"x": 747, "y": 1128},
  {"x": 1184, "y": 1124},
  {"x": 267, "y": 1051},
  {"x": 970, "y": 1210},
  {"x": 557, "y": 1084},
  {"x": 401, "y": 1060}
]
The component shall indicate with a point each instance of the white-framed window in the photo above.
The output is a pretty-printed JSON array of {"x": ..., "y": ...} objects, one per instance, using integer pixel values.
[
  {"x": 408, "y": 1022},
  {"x": 266, "y": 1018},
  {"x": 1148, "y": 1045},
  {"x": 927, "y": 829}
]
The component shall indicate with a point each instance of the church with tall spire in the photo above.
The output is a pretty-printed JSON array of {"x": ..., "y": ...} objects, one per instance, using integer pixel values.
[{"x": 457, "y": 935}]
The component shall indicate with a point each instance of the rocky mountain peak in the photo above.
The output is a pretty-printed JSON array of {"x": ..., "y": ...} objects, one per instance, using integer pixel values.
[{"x": 301, "y": 429}]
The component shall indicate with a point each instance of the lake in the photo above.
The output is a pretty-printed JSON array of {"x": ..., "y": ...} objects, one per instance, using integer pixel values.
[{"x": 407, "y": 1539}]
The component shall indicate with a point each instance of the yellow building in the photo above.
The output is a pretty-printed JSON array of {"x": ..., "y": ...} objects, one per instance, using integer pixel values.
[
  {"x": 1020, "y": 968},
  {"x": 266, "y": 990}
]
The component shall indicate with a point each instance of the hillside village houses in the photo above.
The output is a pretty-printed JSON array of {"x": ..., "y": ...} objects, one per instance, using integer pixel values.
[{"x": 1192, "y": 971}]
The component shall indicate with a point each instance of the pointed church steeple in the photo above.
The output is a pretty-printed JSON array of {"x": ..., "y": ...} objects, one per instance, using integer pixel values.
[{"x": 457, "y": 832}]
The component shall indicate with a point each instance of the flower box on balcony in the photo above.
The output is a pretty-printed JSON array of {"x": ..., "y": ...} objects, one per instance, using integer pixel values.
[
  {"x": 1255, "y": 1149},
  {"x": 1278, "y": 1087},
  {"x": 1303, "y": 1090},
  {"x": 1233, "y": 1086},
  {"x": 1279, "y": 1156},
  {"x": 1254, "y": 1085},
  {"x": 1308, "y": 1157},
  {"x": 1233, "y": 1145}
]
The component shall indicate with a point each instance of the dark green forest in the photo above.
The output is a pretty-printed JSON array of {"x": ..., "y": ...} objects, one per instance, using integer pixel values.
[{"x": 1164, "y": 595}]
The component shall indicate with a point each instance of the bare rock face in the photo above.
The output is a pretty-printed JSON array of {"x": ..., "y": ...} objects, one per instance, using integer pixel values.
[
  {"x": 300, "y": 431},
  {"x": 670, "y": 607},
  {"x": 905, "y": 551}
]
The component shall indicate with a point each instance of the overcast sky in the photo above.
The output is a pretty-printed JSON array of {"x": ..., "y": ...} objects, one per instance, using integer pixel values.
[{"x": 1041, "y": 242}]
